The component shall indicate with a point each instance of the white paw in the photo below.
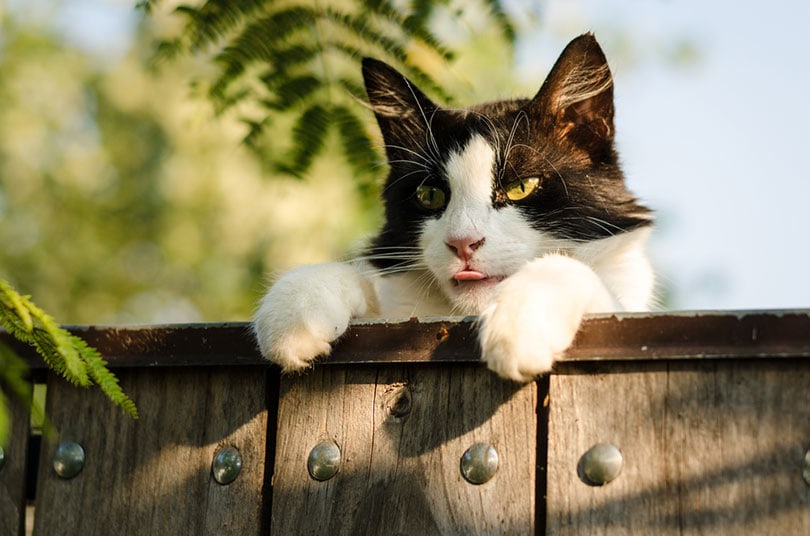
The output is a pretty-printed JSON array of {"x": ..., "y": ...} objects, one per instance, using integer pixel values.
[
  {"x": 536, "y": 314},
  {"x": 308, "y": 309}
]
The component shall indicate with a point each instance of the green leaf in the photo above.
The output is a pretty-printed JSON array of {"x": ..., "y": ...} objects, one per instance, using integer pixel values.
[
  {"x": 264, "y": 41},
  {"x": 106, "y": 380},
  {"x": 293, "y": 91},
  {"x": 299, "y": 52},
  {"x": 216, "y": 19},
  {"x": 355, "y": 141},
  {"x": 66, "y": 354},
  {"x": 414, "y": 26},
  {"x": 309, "y": 138},
  {"x": 502, "y": 19}
]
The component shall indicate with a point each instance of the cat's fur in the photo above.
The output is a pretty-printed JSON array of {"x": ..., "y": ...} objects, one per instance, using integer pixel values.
[{"x": 531, "y": 268}]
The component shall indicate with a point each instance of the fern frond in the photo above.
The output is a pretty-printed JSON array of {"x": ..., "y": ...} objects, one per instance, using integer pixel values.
[
  {"x": 214, "y": 20},
  {"x": 66, "y": 354},
  {"x": 355, "y": 141},
  {"x": 265, "y": 41},
  {"x": 255, "y": 129},
  {"x": 106, "y": 380},
  {"x": 502, "y": 19},
  {"x": 414, "y": 26},
  {"x": 421, "y": 10},
  {"x": 309, "y": 138},
  {"x": 390, "y": 47},
  {"x": 352, "y": 87},
  {"x": 258, "y": 40},
  {"x": 291, "y": 92},
  {"x": 17, "y": 315},
  {"x": 288, "y": 56}
]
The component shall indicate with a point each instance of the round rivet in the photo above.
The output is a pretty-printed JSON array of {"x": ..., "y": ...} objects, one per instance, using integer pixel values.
[
  {"x": 226, "y": 465},
  {"x": 2, "y": 457},
  {"x": 324, "y": 460},
  {"x": 601, "y": 464},
  {"x": 479, "y": 463},
  {"x": 806, "y": 468},
  {"x": 68, "y": 461}
]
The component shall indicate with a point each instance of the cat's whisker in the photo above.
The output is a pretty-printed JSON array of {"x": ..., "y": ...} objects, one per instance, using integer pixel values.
[
  {"x": 405, "y": 176},
  {"x": 430, "y": 139},
  {"x": 608, "y": 227},
  {"x": 400, "y": 260},
  {"x": 549, "y": 162},
  {"x": 400, "y": 247},
  {"x": 521, "y": 116},
  {"x": 426, "y": 159},
  {"x": 425, "y": 285}
]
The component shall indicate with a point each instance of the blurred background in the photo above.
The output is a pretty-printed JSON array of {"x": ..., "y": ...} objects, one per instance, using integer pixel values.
[{"x": 124, "y": 197}]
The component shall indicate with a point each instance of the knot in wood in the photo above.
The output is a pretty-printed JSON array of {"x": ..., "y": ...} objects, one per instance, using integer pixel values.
[{"x": 398, "y": 402}]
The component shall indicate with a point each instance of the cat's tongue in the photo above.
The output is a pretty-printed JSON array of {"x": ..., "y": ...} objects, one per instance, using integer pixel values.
[{"x": 469, "y": 275}]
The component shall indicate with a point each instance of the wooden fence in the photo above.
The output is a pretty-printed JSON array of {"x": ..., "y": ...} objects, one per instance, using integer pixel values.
[{"x": 705, "y": 417}]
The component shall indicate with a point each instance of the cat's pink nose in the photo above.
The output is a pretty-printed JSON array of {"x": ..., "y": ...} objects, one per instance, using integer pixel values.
[{"x": 464, "y": 247}]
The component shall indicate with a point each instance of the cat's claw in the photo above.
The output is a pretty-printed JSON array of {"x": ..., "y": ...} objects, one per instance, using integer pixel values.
[
  {"x": 307, "y": 310},
  {"x": 536, "y": 314}
]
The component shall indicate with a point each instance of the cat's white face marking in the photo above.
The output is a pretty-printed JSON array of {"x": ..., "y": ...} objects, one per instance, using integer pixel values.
[
  {"x": 469, "y": 175},
  {"x": 469, "y": 171},
  {"x": 507, "y": 241}
]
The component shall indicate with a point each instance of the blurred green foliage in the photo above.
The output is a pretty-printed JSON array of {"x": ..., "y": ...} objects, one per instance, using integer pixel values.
[
  {"x": 65, "y": 353},
  {"x": 300, "y": 59},
  {"x": 126, "y": 198}
]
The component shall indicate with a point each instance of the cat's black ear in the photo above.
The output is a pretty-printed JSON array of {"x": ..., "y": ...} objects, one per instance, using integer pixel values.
[
  {"x": 402, "y": 110},
  {"x": 576, "y": 100}
]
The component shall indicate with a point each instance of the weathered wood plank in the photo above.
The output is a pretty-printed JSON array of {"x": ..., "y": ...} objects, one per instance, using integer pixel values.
[
  {"x": 402, "y": 432},
  {"x": 611, "y": 337},
  {"x": 153, "y": 476},
  {"x": 12, "y": 471},
  {"x": 709, "y": 448}
]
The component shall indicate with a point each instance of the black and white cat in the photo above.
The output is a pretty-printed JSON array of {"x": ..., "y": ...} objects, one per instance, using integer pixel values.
[{"x": 516, "y": 211}]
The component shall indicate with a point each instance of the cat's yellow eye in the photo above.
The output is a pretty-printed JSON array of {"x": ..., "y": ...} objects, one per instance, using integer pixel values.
[
  {"x": 430, "y": 197},
  {"x": 521, "y": 188}
]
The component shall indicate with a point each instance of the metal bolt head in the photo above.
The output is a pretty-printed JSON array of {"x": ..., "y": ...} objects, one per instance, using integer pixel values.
[
  {"x": 68, "y": 460},
  {"x": 601, "y": 464},
  {"x": 806, "y": 468},
  {"x": 226, "y": 465},
  {"x": 324, "y": 460},
  {"x": 479, "y": 463}
]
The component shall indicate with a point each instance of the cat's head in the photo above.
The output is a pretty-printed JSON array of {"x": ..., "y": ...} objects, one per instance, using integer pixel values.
[{"x": 475, "y": 193}]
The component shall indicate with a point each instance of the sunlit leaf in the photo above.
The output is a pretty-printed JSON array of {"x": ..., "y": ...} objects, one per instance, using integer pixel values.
[{"x": 309, "y": 138}]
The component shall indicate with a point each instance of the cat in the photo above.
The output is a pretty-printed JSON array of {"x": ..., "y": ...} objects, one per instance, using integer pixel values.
[{"x": 515, "y": 211}]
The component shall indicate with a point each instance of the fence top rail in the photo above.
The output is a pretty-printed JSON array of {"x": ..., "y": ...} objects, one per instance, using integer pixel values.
[{"x": 609, "y": 337}]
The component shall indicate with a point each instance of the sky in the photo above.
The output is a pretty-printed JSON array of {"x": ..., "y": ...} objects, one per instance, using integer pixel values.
[
  {"x": 712, "y": 114},
  {"x": 717, "y": 146}
]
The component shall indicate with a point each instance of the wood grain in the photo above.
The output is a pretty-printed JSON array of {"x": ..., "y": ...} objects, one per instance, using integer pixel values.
[
  {"x": 709, "y": 448},
  {"x": 153, "y": 476},
  {"x": 402, "y": 432},
  {"x": 12, "y": 472},
  {"x": 611, "y": 337}
]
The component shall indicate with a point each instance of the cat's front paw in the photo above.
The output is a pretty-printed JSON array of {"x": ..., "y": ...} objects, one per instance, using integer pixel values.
[
  {"x": 306, "y": 310},
  {"x": 536, "y": 314}
]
